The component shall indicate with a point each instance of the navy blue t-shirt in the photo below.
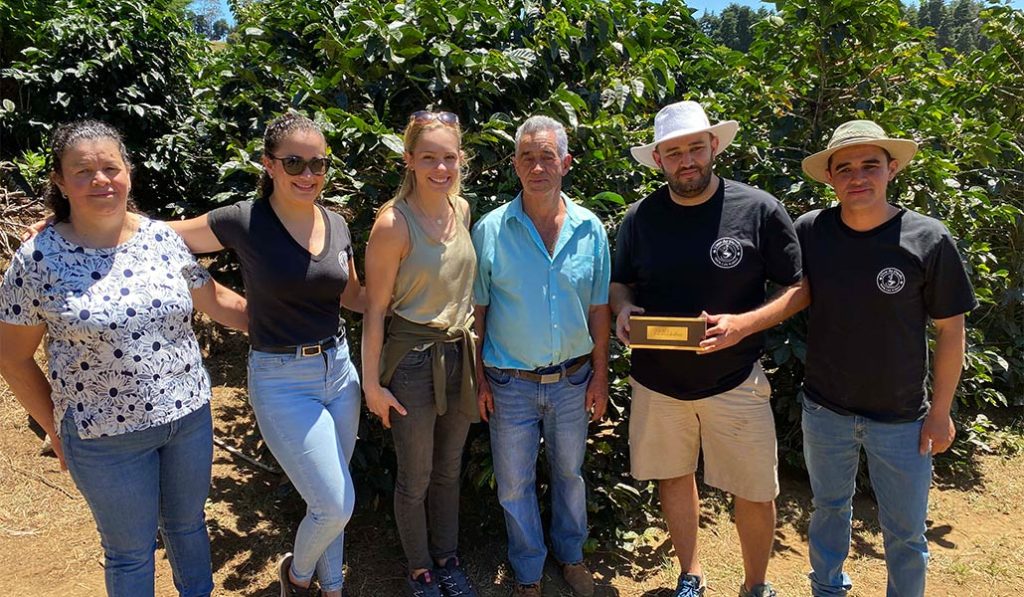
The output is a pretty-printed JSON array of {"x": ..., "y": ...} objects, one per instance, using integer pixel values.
[
  {"x": 714, "y": 257},
  {"x": 872, "y": 295}
]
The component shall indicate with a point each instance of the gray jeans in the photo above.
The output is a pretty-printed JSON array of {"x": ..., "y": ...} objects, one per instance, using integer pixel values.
[{"x": 429, "y": 450}]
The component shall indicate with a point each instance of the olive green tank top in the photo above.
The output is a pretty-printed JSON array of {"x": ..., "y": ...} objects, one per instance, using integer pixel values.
[{"x": 434, "y": 285}]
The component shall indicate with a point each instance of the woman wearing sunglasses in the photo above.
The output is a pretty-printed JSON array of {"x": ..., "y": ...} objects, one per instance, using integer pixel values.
[
  {"x": 420, "y": 264},
  {"x": 297, "y": 266}
]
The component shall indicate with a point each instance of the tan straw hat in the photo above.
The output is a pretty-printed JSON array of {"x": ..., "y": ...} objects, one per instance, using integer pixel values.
[
  {"x": 858, "y": 132},
  {"x": 681, "y": 119}
]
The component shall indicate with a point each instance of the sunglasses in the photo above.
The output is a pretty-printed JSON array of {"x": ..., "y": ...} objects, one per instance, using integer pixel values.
[
  {"x": 421, "y": 116},
  {"x": 295, "y": 165}
]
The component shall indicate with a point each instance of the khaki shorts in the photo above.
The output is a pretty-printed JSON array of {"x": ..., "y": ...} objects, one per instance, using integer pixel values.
[{"x": 735, "y": 428}]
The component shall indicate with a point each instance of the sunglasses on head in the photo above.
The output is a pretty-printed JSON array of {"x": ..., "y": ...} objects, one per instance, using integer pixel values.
[
  {"x": 295, "y": 165},
  {"x": 448, "y": 118}
]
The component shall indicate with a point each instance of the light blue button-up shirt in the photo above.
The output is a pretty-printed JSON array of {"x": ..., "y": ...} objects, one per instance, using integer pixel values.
[{"x": 538, "y": 303}]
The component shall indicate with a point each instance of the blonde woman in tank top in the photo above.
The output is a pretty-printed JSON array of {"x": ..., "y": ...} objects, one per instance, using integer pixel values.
[{"x": 418, "y": 368}]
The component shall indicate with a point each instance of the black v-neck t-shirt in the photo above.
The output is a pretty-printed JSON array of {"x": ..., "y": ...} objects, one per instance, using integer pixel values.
[
  {"x": 293, "y": 297},
  {"x": 872, "y": 294},
  {"x": 714, "y": 257}
]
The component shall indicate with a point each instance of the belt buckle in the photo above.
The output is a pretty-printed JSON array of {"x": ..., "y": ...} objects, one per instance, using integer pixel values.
[
  {"x": 311, "y": 351},
  {"x": 547, "y": 378}
]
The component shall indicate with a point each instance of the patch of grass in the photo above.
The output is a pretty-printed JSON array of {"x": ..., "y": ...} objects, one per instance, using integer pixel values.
[
  {"x": 996, "y": 569},
  {"x": 959, "y": 572}
]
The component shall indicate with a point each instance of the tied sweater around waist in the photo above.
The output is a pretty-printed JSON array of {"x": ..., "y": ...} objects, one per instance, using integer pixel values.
[{"x": 403, "y": 336}]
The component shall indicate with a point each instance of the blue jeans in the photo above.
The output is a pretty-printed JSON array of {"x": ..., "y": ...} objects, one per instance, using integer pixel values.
[
  {"x": 900, "y": 476},
  {"x": 308, "y": 412},
  {"x": 138, "y": 482},
  {"x": 523, "y": 411}
]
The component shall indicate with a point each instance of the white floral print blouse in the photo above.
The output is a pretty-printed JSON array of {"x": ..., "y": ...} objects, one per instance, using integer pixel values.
[{"x": 121, "y": 351}]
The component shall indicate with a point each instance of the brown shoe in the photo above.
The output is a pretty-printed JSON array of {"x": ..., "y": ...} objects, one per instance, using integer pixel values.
[
  {"x": 526, "y": 590},
  {"x": 579, "y": 578},
  {"x": 287, "y": 588}
]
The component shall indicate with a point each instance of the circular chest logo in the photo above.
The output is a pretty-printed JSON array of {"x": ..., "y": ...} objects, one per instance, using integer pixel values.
[
  {"x": 343, "y": 260},
  {"x": 891, "y": 280},
  {"x": 726, "y": 252}
]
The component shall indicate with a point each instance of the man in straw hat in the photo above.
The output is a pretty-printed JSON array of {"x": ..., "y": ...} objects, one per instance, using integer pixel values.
[
  {"x": 877, "y": 273},
  {"x": 703, "y": 244}
]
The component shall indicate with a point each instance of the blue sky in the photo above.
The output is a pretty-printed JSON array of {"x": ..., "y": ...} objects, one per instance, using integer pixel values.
[
  {"x": 711, "y": 5},
  {"x": 700, "y": 5},
  {"x": 718, "y": 5}
]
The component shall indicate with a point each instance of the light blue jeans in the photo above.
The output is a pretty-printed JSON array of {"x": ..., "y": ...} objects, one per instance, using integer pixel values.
[
  {"x": 900, "y": 476},
  {"x": 308, "y": 412},
  {"x": 138, "y": 482},
  {"x": 523, "y": 412}
]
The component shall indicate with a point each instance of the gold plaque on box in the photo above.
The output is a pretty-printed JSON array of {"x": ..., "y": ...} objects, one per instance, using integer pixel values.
[{"x": 667, "y": 333}]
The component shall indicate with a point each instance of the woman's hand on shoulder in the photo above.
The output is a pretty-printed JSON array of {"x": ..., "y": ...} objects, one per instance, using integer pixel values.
[{"x": 33, "y": 229}]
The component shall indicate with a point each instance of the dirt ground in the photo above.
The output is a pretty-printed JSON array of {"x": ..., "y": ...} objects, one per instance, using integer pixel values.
[{"x": 49, "y": 545}]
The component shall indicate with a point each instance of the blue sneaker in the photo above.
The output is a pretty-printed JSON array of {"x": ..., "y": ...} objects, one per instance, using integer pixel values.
[
  {"x": 453, "y": 580},
  {"x": 690, "y": 585},
  {"x": 423, "y": 585}
]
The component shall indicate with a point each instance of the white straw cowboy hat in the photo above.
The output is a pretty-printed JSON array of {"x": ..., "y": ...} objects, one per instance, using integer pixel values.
[
  {"x": 681, "y": 119},
  {"x": 858, "y": 132}
]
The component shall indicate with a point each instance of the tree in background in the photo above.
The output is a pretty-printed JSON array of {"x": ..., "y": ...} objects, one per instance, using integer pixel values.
[
  {"x": 733, "y": 27},
  {"x": 131, "y": 63},
  {"x": 956, "y": 24},
  {"x": 220, "y": 29},
  {"x": 207, "y": 19}
]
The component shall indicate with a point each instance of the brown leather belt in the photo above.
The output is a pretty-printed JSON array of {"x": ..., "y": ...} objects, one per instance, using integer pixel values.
[{"x": 551, "y": 374}]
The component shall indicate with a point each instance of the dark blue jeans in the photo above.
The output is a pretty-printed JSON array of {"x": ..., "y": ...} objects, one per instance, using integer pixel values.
[
  {"x": 138, "y": 482},
  {"x": 523, "y": 412}
]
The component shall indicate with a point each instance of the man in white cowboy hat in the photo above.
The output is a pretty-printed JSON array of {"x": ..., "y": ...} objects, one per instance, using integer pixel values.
[
  {"x": 877, "y": 273},
  {"x": 703, "y": 244}
]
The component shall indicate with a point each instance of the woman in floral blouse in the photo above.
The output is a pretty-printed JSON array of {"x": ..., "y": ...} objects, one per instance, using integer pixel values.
[{"x": 126, "y": 391}]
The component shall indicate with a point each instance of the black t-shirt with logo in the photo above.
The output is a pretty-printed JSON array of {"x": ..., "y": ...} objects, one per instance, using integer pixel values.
[
  {"x": 294, "y": 297},
  {"x": 872, "y": 294},
  {"x": 712, "y": 257}
]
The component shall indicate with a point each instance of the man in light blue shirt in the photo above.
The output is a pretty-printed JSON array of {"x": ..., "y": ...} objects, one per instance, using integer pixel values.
[{"x": 542, "y": 313}]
